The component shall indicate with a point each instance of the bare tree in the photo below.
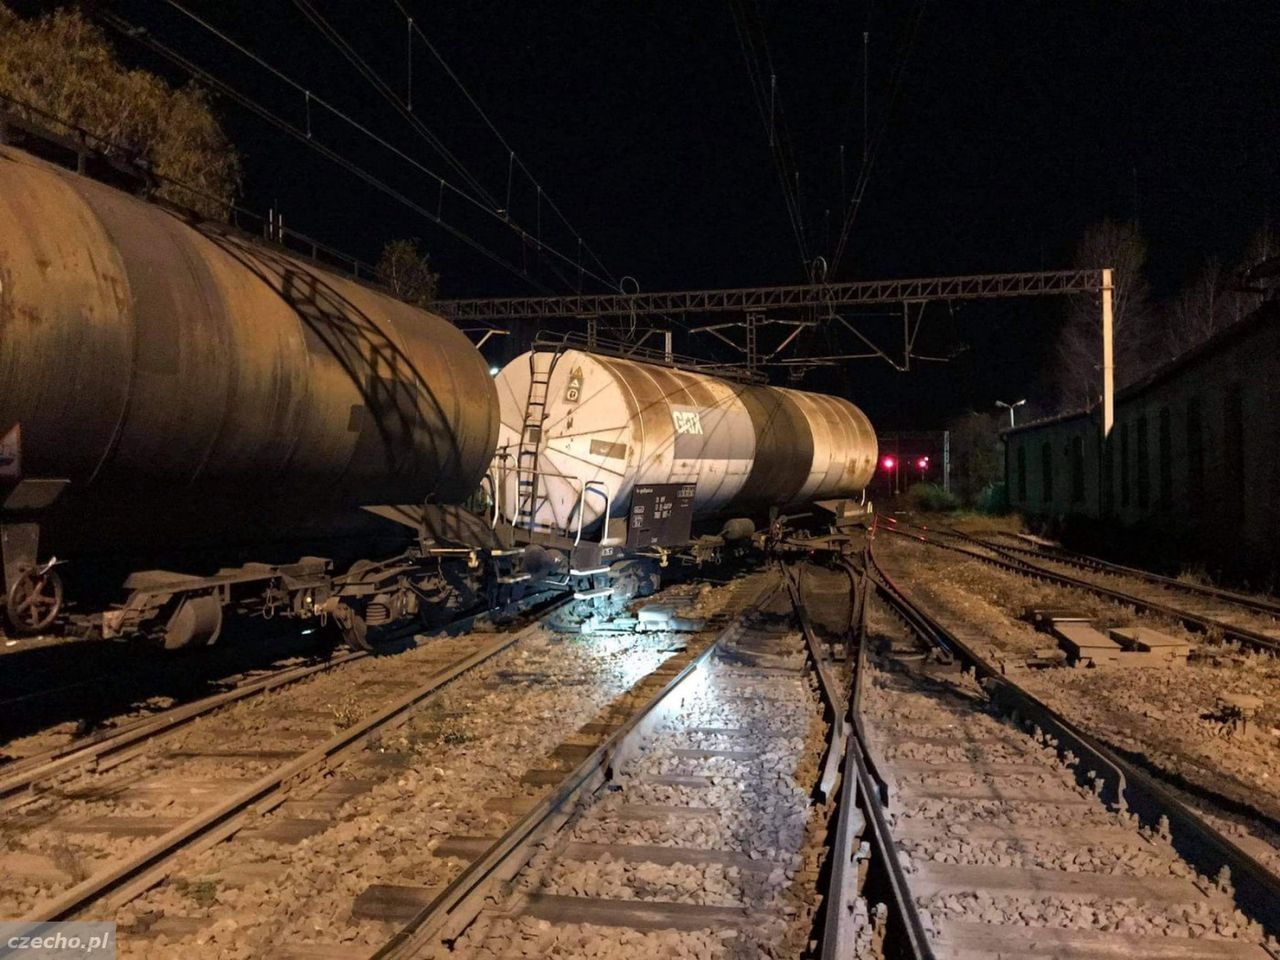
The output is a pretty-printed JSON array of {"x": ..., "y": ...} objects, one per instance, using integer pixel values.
[
  {"x": 1199, "y": 311},
  {"x": 62, "y": 64},
  {"x": 406, "y": 270},
  {"x": 1214, "y": 300},
  {"x": 1122, "y": 247}
]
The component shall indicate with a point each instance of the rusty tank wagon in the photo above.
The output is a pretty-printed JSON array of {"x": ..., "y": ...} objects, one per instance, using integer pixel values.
[{"x": 173, "y": 383}]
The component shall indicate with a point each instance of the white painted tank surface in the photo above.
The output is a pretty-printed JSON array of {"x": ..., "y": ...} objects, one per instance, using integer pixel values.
[{"x": 609, "y": 424}]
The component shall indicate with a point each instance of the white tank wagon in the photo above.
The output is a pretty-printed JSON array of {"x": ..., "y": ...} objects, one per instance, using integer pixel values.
[{"x": 598, "y": 427}]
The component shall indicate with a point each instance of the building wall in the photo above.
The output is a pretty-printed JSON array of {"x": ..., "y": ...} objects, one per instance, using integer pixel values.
[
  {"x": 1194, "y": 454},
  {"x": 1053, "y": 470}
]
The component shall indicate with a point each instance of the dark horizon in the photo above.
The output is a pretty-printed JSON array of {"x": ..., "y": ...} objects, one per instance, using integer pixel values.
[{"x": 1010, "y": 131}]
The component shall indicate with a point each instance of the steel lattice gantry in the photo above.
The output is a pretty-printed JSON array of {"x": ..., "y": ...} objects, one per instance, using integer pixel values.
[{"x": 757, "y": 299}]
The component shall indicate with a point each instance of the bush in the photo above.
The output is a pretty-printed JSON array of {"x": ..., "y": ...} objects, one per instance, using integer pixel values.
[
  {"x": 932, "y": 498},
  {"x": 62, "y": 64}
]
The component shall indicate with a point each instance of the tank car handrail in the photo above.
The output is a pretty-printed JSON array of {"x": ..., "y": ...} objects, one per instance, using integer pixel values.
[
  {"x": 493, "y": 496},
  {"x": 126, "y": 160},
  {"x": 603, "y": 346},
  {"x": 573, "y": 480},
  {"x": 604, "y": 491}
]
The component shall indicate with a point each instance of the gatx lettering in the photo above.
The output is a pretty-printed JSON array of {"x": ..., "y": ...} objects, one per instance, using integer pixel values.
[{"x": 687, "y": 421}]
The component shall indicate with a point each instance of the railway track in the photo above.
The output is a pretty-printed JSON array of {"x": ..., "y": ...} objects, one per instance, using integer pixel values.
[
  {"x": 245, "y": 834},
  {"x": 688, "y": 827},
  {"x": 1059, "y": 555},
  {"x": 188, "y": 777},
  {"x": 113, "y": 745},
  {"x": 1151, "y": 597},
  {"x": 1019, "y": 835}
]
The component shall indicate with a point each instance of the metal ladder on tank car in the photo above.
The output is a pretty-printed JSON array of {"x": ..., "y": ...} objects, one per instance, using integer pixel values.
[{"x": 535, "y": 413}]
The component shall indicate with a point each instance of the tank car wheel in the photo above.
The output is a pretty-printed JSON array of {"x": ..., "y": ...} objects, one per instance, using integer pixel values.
[
  {"x": 353, "y": 628},
  {"x": 34, "y": 600}
]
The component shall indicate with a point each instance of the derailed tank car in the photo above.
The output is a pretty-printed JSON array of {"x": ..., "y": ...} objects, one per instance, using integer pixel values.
[
  {"x": 170, "y": 385},
  {"x": 631, "y": 458}
]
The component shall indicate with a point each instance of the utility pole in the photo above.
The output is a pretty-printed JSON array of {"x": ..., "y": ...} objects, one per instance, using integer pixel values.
[
  {"x": 1108, "y": 357},
  {"x": 1105, "y": 492},
  {"x": 946, "y": 461}
]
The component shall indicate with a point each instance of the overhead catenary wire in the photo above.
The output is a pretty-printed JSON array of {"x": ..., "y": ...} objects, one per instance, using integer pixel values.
[
  {"x": 405, "y": 109},
  {"x": 869, "y": 155},
  {"x": 143, "y": 37},
  {"x": 772, "y": 117},
  {"x": 514, "y": 158},
  {"x": 444, "y": 185},
  {"x": 514, "y": 162}
]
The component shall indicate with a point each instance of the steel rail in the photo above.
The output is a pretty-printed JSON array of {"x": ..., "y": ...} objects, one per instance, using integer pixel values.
[
  {"x": 860, "y": 798},
  {"x": 29, "y": 770},
  {"x": 129, "y": 878},
  {"x": 833, "y": 702},
  {"x": 24, "y": 773},
  {"x": 1192, "y": 621},
  {"x": 459, "y": 903},
  {"x": 1084, "y": 561},
  {"x": 1256, "y": 888}
]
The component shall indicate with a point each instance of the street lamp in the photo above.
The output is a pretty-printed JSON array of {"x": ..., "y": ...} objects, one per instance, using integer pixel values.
[{"x": 1009, "y": 407}]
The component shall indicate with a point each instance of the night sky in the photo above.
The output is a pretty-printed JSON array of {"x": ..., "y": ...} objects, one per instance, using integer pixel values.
[{"x": 1014, "y": 125}]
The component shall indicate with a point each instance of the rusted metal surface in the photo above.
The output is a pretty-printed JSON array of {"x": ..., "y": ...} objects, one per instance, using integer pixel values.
[{"x": 141, "y": 352}]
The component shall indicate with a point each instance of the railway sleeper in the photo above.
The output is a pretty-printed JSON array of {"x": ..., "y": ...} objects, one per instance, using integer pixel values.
[{"x": 1130, "y": 793}]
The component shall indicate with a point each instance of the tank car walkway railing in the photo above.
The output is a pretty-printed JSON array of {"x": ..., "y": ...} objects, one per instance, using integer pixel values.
[
  {"x": 89, "y": 154},
  {"x": 623, "y": 350}
]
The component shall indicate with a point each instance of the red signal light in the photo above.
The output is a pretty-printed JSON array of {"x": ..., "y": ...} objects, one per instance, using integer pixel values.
[
  {"x": 923, "y": 463},
  {"x": 888, "y": 463}
]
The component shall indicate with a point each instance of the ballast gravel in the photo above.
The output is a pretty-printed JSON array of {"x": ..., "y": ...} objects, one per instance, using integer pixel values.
[
  {"x": 755, "y": 805},
  {"x": 1172, "y": 715},
  {"x": 1048, "y": 817},
  {"x": 427, "y": 781}
]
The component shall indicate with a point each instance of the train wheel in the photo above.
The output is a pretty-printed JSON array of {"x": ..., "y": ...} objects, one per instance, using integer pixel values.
[
  {"x": 353, "y": 627},
  {"x": 196, "y": 622},
  {"x": 34, "y": 600}
]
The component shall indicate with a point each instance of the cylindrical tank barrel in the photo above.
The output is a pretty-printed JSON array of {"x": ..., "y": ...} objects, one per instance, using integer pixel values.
[
  {"x": 616, "y": 423},
  {"x": 140, "y": 351}
]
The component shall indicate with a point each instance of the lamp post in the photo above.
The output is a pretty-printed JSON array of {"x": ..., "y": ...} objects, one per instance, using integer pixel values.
[{"x": 1009, "y": 407}]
